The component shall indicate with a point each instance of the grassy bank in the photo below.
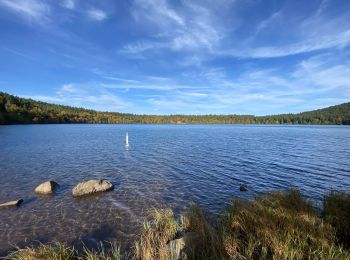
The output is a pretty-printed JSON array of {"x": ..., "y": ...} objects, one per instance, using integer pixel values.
[{"x": 279, "y": 225}]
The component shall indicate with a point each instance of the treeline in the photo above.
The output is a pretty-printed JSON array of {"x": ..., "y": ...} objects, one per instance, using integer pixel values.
[{"x": 16, "y": 110}]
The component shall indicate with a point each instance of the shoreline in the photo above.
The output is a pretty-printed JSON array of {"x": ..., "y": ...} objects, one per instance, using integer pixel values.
[
  {"x": 15, "y": 110},
  {"x": 155, "y": 240},
  {"x": 173, "y": 124}
]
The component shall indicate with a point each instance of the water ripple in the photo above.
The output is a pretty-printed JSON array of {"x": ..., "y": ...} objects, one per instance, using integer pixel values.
[{"x": 165, "y": 165}]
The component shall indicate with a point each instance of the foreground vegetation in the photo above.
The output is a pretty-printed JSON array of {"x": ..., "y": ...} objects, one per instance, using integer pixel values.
[
  {"x": 279, "y": 225},
  {"x": 60, "y": 251},
  {"x": 15, "y": 110}
]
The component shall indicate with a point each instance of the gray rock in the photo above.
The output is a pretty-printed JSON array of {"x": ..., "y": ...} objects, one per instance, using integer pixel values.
[
  {"x": 14, "y": 203},
  {"x": 179, "y": 248},
  {"x": 47, "y": 187},
  {"x": 91, "y": 187}
]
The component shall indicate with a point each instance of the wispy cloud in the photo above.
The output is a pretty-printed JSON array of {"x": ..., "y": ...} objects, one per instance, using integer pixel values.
[
  {"x": 31, "y": 10},
  {"x": 97, "y": 14},
  {"x": 113, "y": 77},
  {"x": 313, "y": 44},
  {"x": 156, "y": 11},
  {"x": 254, "y": 91},
  {"x": 199, "y": 27},
  {"x": 141, "y": 46},
  {"x": 71, "y": 89},
  {"x": 170, "y": 86},
  {"x": 195, "y": 56},
  {"x": 131, "y": 81},
  {"x": 191, "y": 28},
  {"x": 268, "y": 21},
  {"x": 315, "y": 32},
  {"x": 69, "y": 4},
  {"x": 17, "y": 52},
  {"x": 262, "y": 91},
  {"x": 87, "y": 96},
  {"x": 323, "y": 73}
]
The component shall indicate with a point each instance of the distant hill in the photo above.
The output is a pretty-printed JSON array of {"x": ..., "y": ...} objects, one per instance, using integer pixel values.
[{"x": 15, "y": 110}]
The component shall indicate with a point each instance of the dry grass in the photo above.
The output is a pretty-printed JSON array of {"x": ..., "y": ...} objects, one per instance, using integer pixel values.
[
  {"x": 278, "y": 226},
  {"x": 155, "y": 236},
  {"x": 55, "y": 251},
  {"x": 337, "y": 213},
  {"x": 101, "y": 253},
  {"x": 207, "y": 243},
  {"x": 60, "y": 251}
]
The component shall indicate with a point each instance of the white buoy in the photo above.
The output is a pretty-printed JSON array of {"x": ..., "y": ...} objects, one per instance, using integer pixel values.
[{"x": 127, "y": 140}]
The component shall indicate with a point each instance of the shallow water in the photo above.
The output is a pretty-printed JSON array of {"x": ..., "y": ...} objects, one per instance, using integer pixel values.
[{"x": 165, "y": 165}]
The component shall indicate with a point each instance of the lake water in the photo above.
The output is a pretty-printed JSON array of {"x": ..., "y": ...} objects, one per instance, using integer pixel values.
[{"x": 164, "y": 166}]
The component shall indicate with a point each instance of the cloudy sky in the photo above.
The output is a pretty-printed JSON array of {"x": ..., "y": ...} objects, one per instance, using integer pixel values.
[{"x": 178, "y": 56}]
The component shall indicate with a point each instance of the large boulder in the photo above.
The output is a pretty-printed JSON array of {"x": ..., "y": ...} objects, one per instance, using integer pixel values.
[
  {"x": 47, "y": 187},
  {"x": 91, "y": 187},
  {"x": 13, "y": 203},
  {"x": 181, "y": 247}
]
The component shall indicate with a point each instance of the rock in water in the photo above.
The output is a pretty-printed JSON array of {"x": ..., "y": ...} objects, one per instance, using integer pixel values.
[
  {"x": 47, "y": 187},
  {"x": 91, "y": 187},
  {"x": 14, "y": 203},
  {"x": 243, "y": 188}
]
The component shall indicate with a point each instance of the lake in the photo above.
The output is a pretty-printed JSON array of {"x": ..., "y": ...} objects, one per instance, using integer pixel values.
[{"x": 164, "y": 166}]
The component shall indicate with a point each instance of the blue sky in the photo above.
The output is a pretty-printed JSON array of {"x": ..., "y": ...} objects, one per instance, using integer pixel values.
[{"x": 178, "y": 57}]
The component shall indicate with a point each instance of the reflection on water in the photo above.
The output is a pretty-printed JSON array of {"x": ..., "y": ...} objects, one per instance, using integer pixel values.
[{"x": 165, "y": 165}]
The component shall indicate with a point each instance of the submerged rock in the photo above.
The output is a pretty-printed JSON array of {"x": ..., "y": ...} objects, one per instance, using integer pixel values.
[
  {"x": 14, "y": 203},
  {"x": 179, "y": 248},
  {"x": 91, "y": 187},
  {"x": 243, "y": 187},
  {"x": 47, "y": 187}
]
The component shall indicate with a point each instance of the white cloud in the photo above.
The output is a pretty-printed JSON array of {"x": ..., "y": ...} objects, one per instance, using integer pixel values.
[
  {"x": 141, "y": 46},
  {"x": 112, "y": 77},
  {"x": 69, "y": 88},
  {"x": 158, "y": 78},
  {"x": 194, "y": 60},
  {"x": 89, "y": 96},
  {"x": 203, "y": 28},
  {"x": 157, "y": 11},
  {"x": 191, "y": 28},
  {"x": 313, "y": 44},
  {"x": 268, "y": 21},
  {"x": 308, "y": 32},
  {"x": 169, "y": 86},
  {"x": 69, "y": 4},
  {"x": 97, "y": 14},
  {"x": 316, "y": 82},
  {"x": 130, "y": 81},
  {"x": 18, "y": 53},
  {"x": 322, "y": 73},
  {"x": 212, "y": 91},
  {"x": 32, "y": 10}
]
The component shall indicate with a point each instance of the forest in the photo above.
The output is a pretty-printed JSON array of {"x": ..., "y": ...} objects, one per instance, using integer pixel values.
[{"x": 16, "y": 110}]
